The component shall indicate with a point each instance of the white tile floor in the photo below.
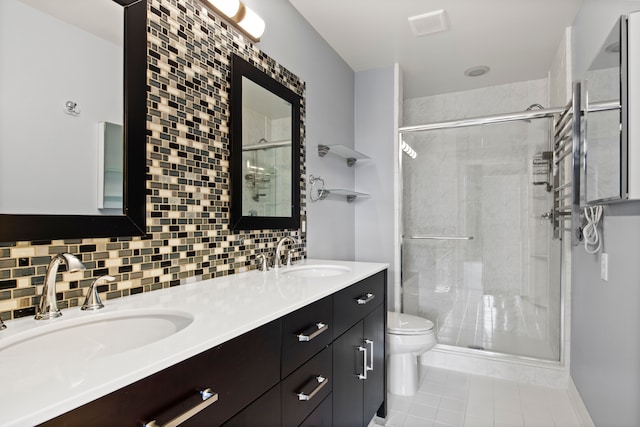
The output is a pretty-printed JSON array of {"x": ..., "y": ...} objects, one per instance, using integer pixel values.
[{"x": 451, "y": 398}]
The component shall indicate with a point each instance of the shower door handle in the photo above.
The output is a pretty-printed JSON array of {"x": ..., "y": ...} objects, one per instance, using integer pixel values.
[{"x": 441, "y": 237}]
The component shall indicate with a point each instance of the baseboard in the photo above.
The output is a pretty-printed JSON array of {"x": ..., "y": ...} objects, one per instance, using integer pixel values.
[{"x": 578, "y": 405}]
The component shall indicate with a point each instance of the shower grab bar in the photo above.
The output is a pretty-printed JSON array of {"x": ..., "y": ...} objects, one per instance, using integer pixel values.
[{"x": 441, "y": 237}]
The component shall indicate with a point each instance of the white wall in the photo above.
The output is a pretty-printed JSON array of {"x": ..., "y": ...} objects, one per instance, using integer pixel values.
[
  {"x": 59, "y": 62},
  {"x": 377, "y": 104},
  {"x": 605, "y": 331},
  {"x": 293, "y": 43}
]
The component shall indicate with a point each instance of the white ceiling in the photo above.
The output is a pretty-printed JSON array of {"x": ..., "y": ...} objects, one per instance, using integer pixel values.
[{"x": 517, "y": 39}]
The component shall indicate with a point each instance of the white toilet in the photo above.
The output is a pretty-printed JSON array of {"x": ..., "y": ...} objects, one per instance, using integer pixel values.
[{"x": 407, "y": 337}]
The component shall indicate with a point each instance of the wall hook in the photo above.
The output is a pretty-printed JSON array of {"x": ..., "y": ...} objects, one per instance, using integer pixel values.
[{"x": 71, "y": 108}]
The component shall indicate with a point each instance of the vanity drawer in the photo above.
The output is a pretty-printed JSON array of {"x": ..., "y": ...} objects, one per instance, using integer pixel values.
[
  {"x": 304, "y": 333},
  {"x": 322, "y": 416},
  {"x": 264, "y": 412},
  {"x": 239, "y": 371},
  {"x": 353, "y": 303},
  {"x": 306, "y": 388}
]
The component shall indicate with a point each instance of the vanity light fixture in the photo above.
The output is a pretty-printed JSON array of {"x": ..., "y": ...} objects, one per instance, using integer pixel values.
[{"x": 240, "y": 16}]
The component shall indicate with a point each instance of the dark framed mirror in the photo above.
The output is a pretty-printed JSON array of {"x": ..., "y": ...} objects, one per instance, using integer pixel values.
[
  {"x": 40, "y": 200},
  {"x": 265, "y": 150}
]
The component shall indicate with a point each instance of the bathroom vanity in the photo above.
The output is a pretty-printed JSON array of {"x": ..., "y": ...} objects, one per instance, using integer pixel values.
[{"x": 304, "y": 345}]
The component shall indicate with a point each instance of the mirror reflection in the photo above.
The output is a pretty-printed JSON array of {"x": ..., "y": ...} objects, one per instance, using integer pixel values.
[
  {"x": 603, "y": 134},
  {"x": 60, "y": 85},
  {"x": 266, "y": 152}
]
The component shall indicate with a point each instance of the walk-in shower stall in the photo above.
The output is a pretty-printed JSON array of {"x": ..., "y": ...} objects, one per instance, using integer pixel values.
[{"x": 478, "y": 254}]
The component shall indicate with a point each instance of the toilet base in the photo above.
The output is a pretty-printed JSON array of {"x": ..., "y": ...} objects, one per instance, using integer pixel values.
[{"x": 403, "y": 374}]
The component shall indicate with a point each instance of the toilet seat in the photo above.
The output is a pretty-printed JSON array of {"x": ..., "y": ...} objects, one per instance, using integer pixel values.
[{"x": 407, "y": 324}]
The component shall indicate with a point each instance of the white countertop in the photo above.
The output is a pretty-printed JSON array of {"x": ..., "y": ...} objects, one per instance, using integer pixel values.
[{"x": 222, "y": 309}]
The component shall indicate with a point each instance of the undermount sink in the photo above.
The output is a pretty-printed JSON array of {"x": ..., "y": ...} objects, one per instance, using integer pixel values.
[
  {"x": 92, "y": 336},
  {"x": 328, "y": 270}
]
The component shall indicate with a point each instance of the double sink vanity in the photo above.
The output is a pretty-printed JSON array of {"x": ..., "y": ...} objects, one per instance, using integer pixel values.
[{"x": 301, "y": 345}]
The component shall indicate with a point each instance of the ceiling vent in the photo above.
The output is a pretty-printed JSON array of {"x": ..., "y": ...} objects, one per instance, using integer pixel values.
[{"x": 428, "y": 23}]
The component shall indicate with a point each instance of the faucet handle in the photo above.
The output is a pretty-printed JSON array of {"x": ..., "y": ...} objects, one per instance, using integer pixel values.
[
  {"x": 263, "y": 262},
  {"x": 92, "y": 300},
  {"x": 289, "y": 261}
]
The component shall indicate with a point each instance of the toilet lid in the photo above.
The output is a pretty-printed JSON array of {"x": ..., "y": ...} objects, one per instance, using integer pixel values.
[{"x": 402, "y": 323}]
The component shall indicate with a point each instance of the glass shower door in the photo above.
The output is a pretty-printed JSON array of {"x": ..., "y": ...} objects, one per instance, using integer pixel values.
[{"x": 477, "y": 250}]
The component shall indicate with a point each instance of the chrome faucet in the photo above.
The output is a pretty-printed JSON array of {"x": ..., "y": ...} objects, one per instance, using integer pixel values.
[
  {"x": 2, "y": 325},
  {"x": 277, "y": 261},
  {"x": 48, "y": 307}
]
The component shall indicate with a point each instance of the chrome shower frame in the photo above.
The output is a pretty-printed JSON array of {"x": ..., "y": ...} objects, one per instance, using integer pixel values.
[{"x": 528, "y": 115}]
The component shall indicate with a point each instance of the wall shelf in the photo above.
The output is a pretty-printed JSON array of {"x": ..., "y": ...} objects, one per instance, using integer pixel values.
[
  {"x": 342, "y": 151},
  {"x": 349, "y": 194}
]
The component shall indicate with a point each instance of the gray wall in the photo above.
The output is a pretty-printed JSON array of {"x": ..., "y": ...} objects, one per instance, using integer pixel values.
[
  {"x": 377, "y": 98},
  {"x": 605, "y": 335},
  {"x": 293, "y": 43}
]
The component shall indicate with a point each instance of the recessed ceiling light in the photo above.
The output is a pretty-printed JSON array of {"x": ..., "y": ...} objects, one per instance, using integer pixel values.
[
  {"x": 428, "y": 23},
  {"x": 477, "y": 71}
]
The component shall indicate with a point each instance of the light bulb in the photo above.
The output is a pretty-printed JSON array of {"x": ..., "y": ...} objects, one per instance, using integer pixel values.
[
  {"x": 252, "y": 23},
  {"x": 228, "y": 7}
]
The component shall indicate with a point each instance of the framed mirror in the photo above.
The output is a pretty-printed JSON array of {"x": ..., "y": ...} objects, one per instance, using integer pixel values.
[
  {"x": 265, "y": 151},
  {"x": 72, "y": 119}
]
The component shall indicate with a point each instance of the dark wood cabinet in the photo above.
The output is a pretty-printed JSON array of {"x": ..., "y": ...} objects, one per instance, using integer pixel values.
[
  {"x": 305, "y": 332},
  {"x": 374, "y": 388},
  {"x": 359, "y": 368},
  {"x": 348, "y": 366},
  {"x": 321, "y": 416},
  {"x": 232, "y": 370},
  {"x": 307, "y": 368},
  {"x": 306, "y": 387},
  {"x": 264, "y": 412}
]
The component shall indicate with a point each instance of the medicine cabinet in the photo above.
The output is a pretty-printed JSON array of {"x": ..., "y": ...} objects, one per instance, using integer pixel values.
[{"x": 611, "y": 150}]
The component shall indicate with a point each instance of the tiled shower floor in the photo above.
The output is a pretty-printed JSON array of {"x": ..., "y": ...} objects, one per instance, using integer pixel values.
[
  {"x": 451, "y": 398},
  {"x": 504, "y": 324}
]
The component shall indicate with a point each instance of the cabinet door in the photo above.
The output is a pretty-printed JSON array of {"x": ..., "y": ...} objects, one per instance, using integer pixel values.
[
  {"x": 348, "y": 365},
  {"x": 375, "y": 384}
]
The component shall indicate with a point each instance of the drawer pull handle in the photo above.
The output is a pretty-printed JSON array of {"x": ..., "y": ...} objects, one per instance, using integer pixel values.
[
  {"x": 363, "y": 375},
  {"x": 312, "y": 331},
  {"x": 317, "y": 383},
  {"x": 365, "y": 298},
  {"x": 369, "y": 367},
  {"x": 167, "y": 419}
]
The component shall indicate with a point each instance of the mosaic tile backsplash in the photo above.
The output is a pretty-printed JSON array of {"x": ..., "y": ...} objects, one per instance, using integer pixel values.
[{"x": 188, "y": 77}]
